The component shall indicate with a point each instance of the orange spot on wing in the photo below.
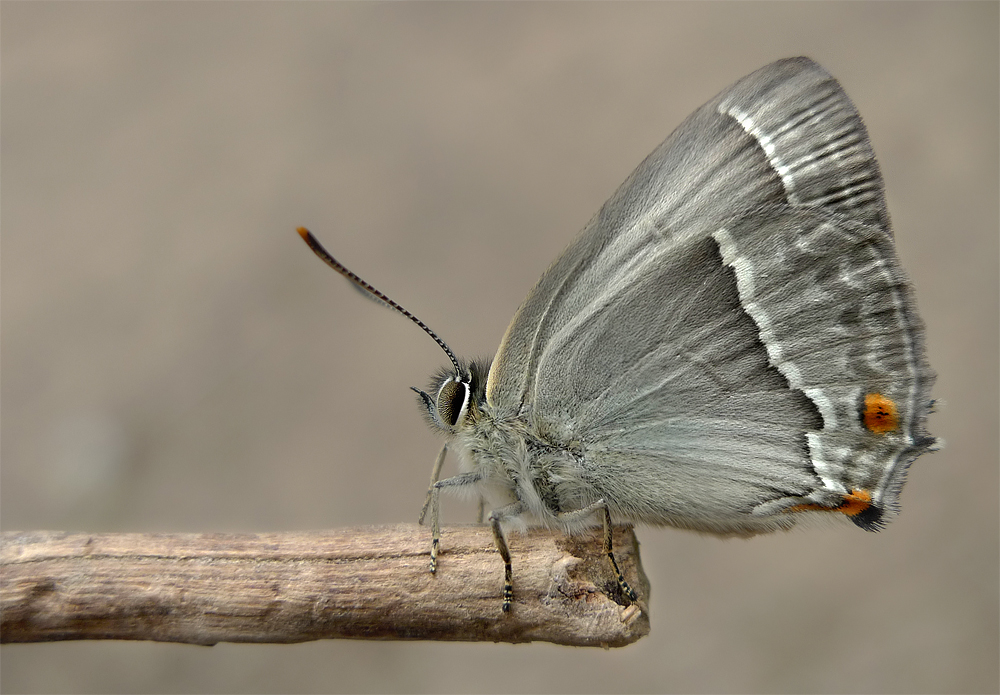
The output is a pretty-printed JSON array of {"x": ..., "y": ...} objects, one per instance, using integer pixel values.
[
  {"x": 852, "y": 504},
  {"x": 855, "y": 502},
  {"x": 880, "y": 414}
]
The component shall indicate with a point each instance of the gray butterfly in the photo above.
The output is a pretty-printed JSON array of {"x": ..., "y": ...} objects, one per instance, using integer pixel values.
[{"x": 730, "y": 343}]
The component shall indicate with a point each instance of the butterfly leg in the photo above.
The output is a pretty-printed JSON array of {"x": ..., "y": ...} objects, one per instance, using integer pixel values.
[
  {"x": 432, "y": 504},
  {"x": 626, "y": 589},
  {"x": 496, "y": 516},
  {"x": 590, "y": 509},
  {"x": 435, "y": 476}
]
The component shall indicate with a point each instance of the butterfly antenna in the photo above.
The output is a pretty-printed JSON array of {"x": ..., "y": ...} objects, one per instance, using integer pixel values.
[{"x": 369, "y": 289}]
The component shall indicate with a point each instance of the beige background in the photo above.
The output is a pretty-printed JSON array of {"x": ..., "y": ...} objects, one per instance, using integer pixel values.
[{"x": 174, "y": 358}]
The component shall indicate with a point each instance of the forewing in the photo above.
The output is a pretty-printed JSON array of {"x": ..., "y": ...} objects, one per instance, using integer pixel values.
[
  {"x": 646, "y": 348},
  {"x": 787, "y": 127}
]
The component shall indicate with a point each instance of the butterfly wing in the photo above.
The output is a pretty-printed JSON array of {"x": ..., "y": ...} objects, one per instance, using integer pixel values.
[{"x": 682, "y": 343}]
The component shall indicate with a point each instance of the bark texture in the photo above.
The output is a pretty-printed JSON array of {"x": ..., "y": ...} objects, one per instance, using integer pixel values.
[{"x": 357, "y": 583}]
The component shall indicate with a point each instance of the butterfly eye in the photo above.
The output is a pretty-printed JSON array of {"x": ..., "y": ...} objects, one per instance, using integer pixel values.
[{"x": 452, "y": 399}]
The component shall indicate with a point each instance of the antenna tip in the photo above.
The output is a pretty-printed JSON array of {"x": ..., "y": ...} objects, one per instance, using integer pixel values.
[{"x": 304, "y": 233}]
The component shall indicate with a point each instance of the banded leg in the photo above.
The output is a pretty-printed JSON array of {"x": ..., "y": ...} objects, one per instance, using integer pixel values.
[
  {"x": 435, "y": 493},
  {"x": 622, "y": 584},
  {"x": 496, "y": 516},
  {"x": 589, "y": 510}
]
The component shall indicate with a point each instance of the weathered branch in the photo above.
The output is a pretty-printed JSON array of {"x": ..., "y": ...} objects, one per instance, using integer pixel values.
[{"x": 359, "y": 583}]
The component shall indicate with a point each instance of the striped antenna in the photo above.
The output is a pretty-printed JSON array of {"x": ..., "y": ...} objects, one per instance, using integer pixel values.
[{"x": 369, "y": 289}]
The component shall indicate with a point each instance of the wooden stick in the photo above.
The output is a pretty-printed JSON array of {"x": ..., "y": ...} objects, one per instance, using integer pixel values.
[{"x": 357, "y": 583}]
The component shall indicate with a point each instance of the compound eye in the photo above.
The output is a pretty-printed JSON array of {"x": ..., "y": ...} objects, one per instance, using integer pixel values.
[{"x": 452, "y": 399}]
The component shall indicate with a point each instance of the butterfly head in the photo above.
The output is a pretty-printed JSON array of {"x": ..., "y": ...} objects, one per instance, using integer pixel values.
[{"x": 459, "y": 396}]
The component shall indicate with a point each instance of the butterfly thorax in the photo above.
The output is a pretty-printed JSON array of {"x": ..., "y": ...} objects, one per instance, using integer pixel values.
[{"x": 508, "y": 456}]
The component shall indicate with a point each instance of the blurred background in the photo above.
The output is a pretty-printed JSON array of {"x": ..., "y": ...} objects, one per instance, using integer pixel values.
[{"x": 175, "y": 359}]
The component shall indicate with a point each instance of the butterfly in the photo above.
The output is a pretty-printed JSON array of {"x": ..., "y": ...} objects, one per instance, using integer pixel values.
[{"x": 729, "y": 345}]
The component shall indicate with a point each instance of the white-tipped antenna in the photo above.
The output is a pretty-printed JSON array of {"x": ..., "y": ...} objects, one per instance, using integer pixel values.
[{"x": 365, "y": 287}]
